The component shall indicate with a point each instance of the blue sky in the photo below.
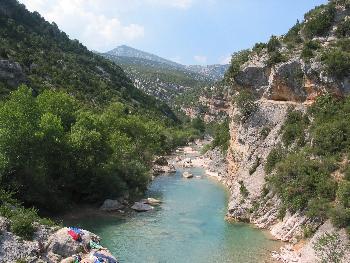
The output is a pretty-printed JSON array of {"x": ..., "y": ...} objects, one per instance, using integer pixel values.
[{"x": 187, "y": 31}]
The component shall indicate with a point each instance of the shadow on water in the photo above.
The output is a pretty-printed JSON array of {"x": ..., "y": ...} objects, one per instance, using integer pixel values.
[{"x": 189, "y": 226}]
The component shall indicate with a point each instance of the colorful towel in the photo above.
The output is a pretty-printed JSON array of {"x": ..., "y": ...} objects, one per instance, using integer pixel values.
[
  {"x": 74, "y": 235},
  {"x": 104, "y": 257}
]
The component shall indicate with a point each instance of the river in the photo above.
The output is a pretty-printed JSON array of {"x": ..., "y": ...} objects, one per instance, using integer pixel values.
[{"x": 188, "y": 227}]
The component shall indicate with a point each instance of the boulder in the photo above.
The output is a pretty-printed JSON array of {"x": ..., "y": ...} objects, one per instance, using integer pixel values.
[
  {"x": 62, "y": 244},
  {"x": 111, "y": 205},
  {"x": 142, "y": 207},
  {"x": 187, "y": 175},
  {"x": 11, "y": 73},
  {"x": 157, "y": 169},
  {"x": 151, "y": 201}
]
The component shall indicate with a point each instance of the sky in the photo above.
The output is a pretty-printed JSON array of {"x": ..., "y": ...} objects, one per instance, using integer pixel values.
[{"x": 185, "y": 31}]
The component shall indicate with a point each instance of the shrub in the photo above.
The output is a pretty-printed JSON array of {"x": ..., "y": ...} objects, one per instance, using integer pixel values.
[
  {"x": 343, "y": 193},
  {"x": 318, "y": 208},
  {"x": 319, "y": 21},
  {"x": 274, "y": 44},
  {"x": 265, "y": 132},
  {"x": 22, "y": 222},
  {"x": 275, "y": 58},
  {"x": 245, "y": 102},
  {"x": 222, "y": 136},
  {"x": 294, "y": 128},
  {"x": 337, "y": 62},
  {"x": 282, "y": 212},
  {"x": 343, "y": 29},
  {"x": 299, "y": 179},
  {"x": 329, "y": 248},
  {"x": 340, "y": 216},
  {"x": 274, "y": 157},
  {"x": 238, "y": 59},
  {"x": 259, "y": 47},
  {"x": 243, "y": 189},
  {"x": 309, "y": 49},
  {"x": 293, "y": 36}
]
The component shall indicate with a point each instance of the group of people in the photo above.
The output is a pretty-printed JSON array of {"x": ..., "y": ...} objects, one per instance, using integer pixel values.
[{"x": 94, "y": 252}]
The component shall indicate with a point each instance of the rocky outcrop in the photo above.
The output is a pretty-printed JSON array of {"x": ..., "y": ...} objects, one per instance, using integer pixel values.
[
  {"x": 49, "y": 244},
  {"x": 111, "y": 205},
  {"x": 162, "y": 166},
  {"x": 11, "y": 73},
  {"x": 142, "y": 207}
]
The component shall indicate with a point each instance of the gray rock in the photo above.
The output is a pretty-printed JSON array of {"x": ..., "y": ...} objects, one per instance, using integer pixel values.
[
  {"x": 187, "y": 175},
  {"x": 111, "y": 205},
  {"x": 11, "y": 73},
  {"x": 142, "y": 207}
]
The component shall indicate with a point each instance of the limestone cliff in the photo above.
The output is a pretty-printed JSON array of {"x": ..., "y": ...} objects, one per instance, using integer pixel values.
[{"x": 293, "y": 82}]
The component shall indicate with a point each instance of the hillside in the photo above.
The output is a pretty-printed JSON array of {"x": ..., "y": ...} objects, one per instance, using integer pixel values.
[
  {"x": 37, "y": 53},
  {"x": 72, "y": 125},
  {"x": 289, "y": 146},
  {"x": 162, "y": 78}
]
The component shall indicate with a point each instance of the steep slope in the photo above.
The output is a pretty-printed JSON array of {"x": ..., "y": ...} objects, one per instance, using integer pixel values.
[
  {"x": 161, "y": 80},
  {"x": 288, "y": 155},
  {"x": 126, "y": 51},
  {"x": 37, "y": 53}
]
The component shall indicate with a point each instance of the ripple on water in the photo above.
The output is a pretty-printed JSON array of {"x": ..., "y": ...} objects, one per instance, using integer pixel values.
[{"x": 188, "y": 227}]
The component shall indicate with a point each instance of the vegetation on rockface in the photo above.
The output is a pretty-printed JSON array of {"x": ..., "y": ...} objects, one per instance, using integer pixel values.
[
  {"x": 245, "y": 102},
  {"x": 238, "y": 59},
  {"x": 337, "y": 59},
  {"x": 329, "y": 248},
  {"x": 303, "y": 175},
  {"x": 22, "y": 220},
  {"x": 293, "y": 38},
  {"x": 319, "y": 20},
  {"x": 49, "y": 59},
  {"x": 51, "y": 145},
  {"x": 309, "y": 49}
]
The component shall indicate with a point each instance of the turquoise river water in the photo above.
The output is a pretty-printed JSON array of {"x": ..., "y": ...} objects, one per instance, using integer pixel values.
[{"x": 188, "y": 227}]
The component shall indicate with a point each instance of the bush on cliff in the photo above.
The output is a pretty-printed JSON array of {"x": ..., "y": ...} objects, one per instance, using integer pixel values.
[
  {"x": 245, "y": 102},
  {"x": 238, "y": 59},
  {"x": 319, "y": 21}
]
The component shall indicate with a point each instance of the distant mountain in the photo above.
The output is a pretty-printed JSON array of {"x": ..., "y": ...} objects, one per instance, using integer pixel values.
[
  {"x": 214, "y": 72},
  {"x": 160, "y": 77},
  {"x": 126, "y": 51}
]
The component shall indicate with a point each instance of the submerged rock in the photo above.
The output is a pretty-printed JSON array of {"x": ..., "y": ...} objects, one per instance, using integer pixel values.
[
  {"x": 187, "y": 175},
  {"x": 142, "y": 207},
  {"x": 111, "y": 205},
  {"x": 151, "y": 201}
]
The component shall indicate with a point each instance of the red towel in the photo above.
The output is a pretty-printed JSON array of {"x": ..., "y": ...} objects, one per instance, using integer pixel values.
[{"x": 74, "y": 235}]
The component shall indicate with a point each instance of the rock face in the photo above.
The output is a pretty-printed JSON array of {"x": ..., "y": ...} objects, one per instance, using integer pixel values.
[
  {"x": 11, "y": 73},
  {"x": 111, "y": 205}
]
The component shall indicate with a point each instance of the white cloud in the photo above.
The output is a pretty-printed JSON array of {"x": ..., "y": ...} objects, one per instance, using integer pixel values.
[
  {"x": 200, "y": 59},
  {"x": 80, "y": 19},
  {"x": 182, "y": 4}
]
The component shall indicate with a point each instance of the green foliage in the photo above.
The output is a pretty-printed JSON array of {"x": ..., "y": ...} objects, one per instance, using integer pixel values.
[
  {"x": 245, "y": 102},
  {"x": 238, "y": 59},
  {"x": 275, "y": 57},
  {"x": 274, "y": 157},
  {"x": 259, "y": 47},
  {"x": 293, "y": 36},
  {"x": 282, "y": 213},
  {"x": 243, "y": 189},
  {"x": 199, "y": 125},
  {"x": 318, "y": 208},
  {"x": 343, "y": 29},
  {"x": 294, "y": 127},
  {"x": 329, "y": 248},
  {"x": 343, "y": 193},
  {"x": 309, "y": 49},
  {"x": 50, "y": 59},
  {"x": 222, "y": 136},
  {"x": 265, "y": 132},
  {"x": 274, "y": 44},
  {"x": 319, "y": 21},
  {"x": 337, "y": 62},
  {"x": 299, "y": 179},
  {"x": 52, "y": 146}
]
